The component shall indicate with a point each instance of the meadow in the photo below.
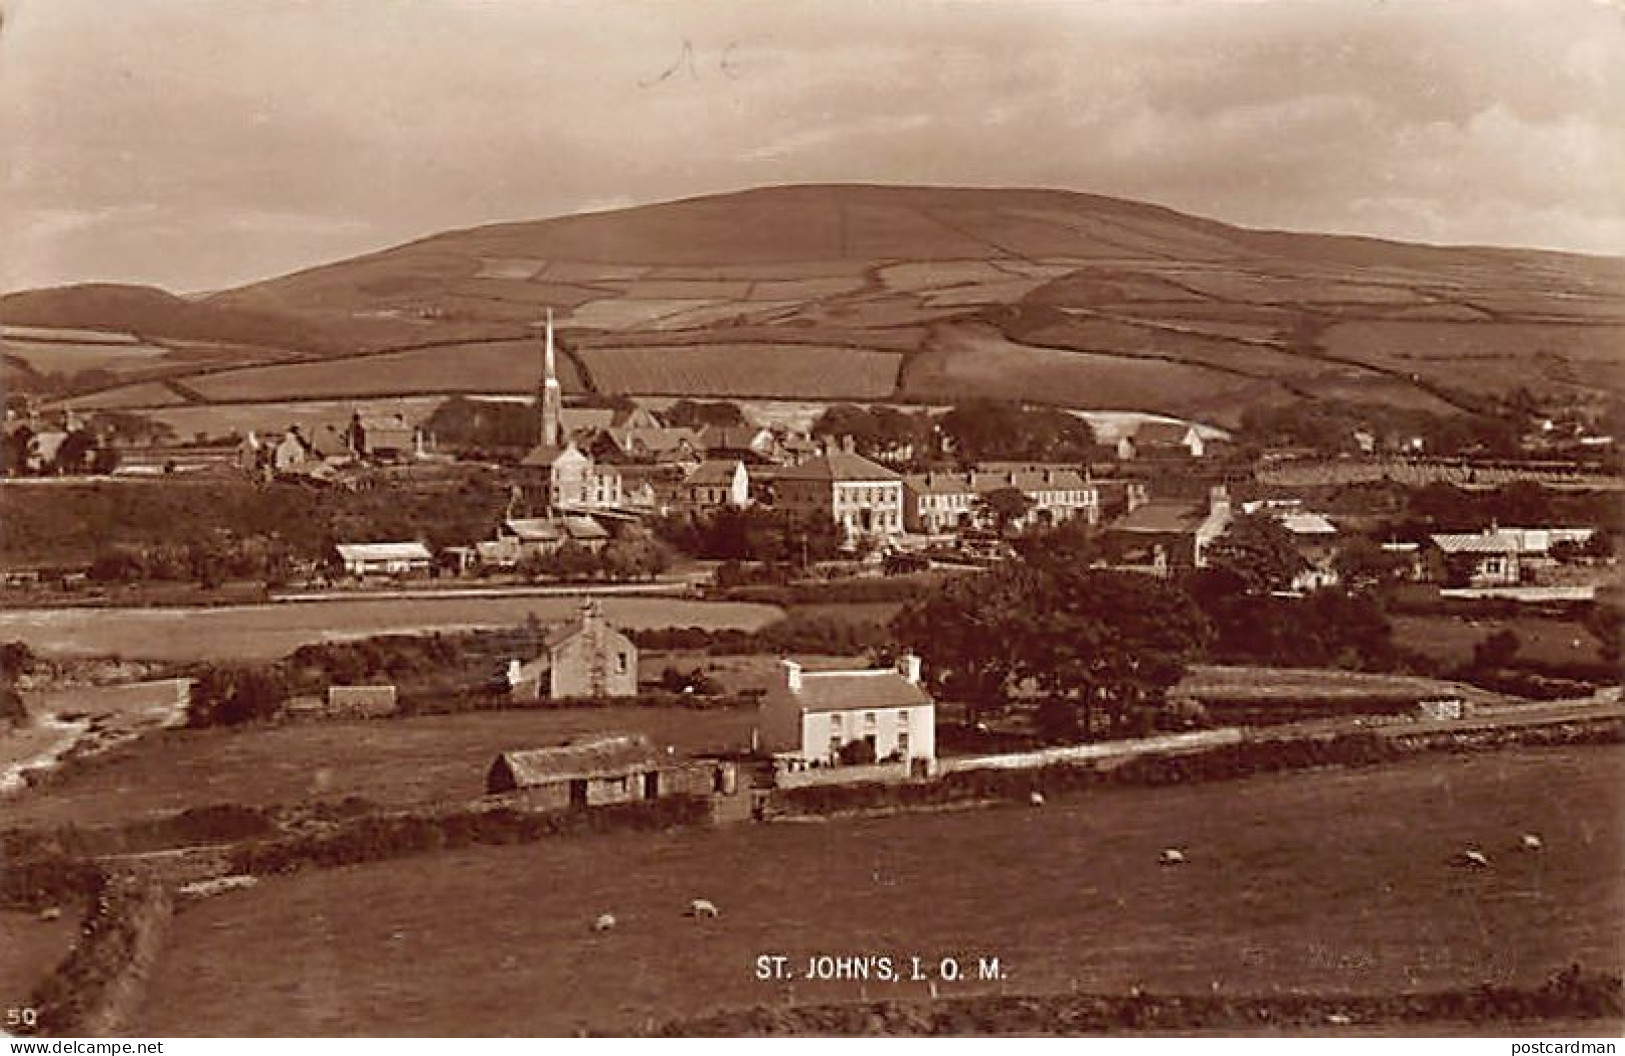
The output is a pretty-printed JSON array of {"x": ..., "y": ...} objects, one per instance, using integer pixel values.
[
  {"x": 266, "y": 632},
  {"x": 1273, "y": 899},
  {"x": 395, "y": 762},
  {"x": 29, "y": 948},
  {"x": 1451, "y": 639},
  {"x": 744, "y": 368}
]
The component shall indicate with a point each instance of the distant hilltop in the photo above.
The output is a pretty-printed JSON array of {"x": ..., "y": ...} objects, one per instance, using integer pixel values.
[{"x": 850, "y": 292}]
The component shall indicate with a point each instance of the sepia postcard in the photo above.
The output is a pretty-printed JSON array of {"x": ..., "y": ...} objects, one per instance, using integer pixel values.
[{"x": 812, "y": 518}]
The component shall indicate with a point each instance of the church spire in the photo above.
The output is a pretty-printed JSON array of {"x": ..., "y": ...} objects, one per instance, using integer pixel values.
[{"x": 552, "y": 397}]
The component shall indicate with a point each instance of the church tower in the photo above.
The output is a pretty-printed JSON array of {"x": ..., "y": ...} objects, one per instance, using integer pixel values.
[{"x": 551, "y": 396}]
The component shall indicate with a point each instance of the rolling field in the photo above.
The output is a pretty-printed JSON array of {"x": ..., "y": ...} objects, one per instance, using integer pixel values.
[
  {"x": 266, "y": 632},
  {"x": 1273, "y": 899},
  {"x": 397, "y": 762},
  {"x": 494, "y": 366},
  {"x": 745, "y": 369}
]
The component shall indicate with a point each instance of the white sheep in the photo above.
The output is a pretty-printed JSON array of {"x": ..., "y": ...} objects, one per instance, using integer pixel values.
[
  {"x": 1473, "y": 860},
  {"x": 1036, "y": 799},
  {"x": 1531, "y": 842},
  {"x": 1172, "y": 856},
  {"x": 605, "y": 922},
  {"x": 702, "y": 908}
]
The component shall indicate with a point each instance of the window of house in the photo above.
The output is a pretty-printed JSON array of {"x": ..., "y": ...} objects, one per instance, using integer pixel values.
[
  {"x": 868, "y": 718},
  {"x": 834, "y": 745},
  {"x": 620, "y": 663},
  {"x": 835, "y": 721},
  {"x": 902, "y": 742},
  {"x": 902, "y": 716}
]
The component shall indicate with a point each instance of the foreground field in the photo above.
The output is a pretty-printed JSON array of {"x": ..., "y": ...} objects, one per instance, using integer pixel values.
[
  {"x": 389, "y": 761},
  {"x": 266, "y": 632},
  {"x": 1332, "y": 882},
  {"x": 30, "y": 948}
]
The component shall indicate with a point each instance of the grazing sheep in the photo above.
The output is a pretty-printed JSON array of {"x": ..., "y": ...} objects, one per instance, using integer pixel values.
[
  {"x": 1531, "y": 842},
  {"x": 1473, "y": 860},
  {"x": 1172, "y": 856},
  {"x": 702, "y": 908},
  {"x": 605, "y": 922},
  {"x": 1036, "y": 799},
  {"x": 51, "y": 913}
]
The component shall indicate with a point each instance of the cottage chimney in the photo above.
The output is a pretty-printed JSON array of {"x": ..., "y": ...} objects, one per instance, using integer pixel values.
[
  {"x": 792, "y": 675},
  {"x": 908, "y": 665}
]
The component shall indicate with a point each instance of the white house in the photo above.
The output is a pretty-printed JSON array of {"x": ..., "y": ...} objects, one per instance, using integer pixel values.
[
  {"x": 813, "y": 715},
  {"x": 384, "y": 559}
]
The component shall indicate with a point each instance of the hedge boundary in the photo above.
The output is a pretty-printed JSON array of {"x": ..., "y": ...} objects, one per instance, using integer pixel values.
[
  {"x": 1573, "y": 994},
  {"x": 97, "y": 984}
]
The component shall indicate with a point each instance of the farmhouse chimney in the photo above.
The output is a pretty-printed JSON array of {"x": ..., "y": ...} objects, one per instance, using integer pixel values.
[
  {"x": 908, "y": 665},
  {"x": 792, "y": 675}
]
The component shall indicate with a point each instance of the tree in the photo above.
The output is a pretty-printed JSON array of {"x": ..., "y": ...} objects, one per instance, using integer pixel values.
[
  {"x": 1258, "y": 551},
  {"x": 966, "y": 633},
  {"x": 1110, "y": 644},
  {"x": 1363, "y": 565},
  {"x": 1496, "y": 650},
  {"x": 694, "y": 415},
  {"x": 74, "y": 451},
  {"x": 1004, "y": 507}
]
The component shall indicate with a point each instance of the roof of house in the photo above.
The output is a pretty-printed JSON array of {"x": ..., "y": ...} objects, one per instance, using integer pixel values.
[
  {"x": 534, "y": 529},
  {"x": 1162, "y": 432},
  {"x": 858, "y": 691},
  {"x": 1305, "y": 523},
  {"x": 1508, "y": 540},
  {"x": 384, "y": 552},
  {"x": 837, "y": 465},
  {"x": 1161, "y": 517},
  {"x": 713, "y": 472},
  {"x": 657, "y": 439},
  {"x": 584, "y": 758},
  {"x": 547, "y": 455},
  {"x": 581, "y": 527},
  {"x": 731, "y": 437}
]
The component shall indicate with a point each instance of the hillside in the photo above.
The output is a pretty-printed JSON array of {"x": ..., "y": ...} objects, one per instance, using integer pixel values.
[{"x": 924, "y": 294}]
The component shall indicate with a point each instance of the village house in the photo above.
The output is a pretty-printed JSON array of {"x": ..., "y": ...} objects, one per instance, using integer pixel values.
[
  {"x": 751, "y": 443},
  {"x": 712, "y": 485},
  {"x": 385, "y": 438},
  {"x": 666, "y": 444},
  {"x": 1497, "y": 556},
  {"x": 585, "y": 658},
  {"x": 651, "y": 489},
  {"x": 938, "y": 502},
  {"x": 1314, "y": 536},
  {"x": 1162, "y": 440},
  {"x": 1163, "y": 537},
  {"x": 863, "y": 498},
  {"x": 813, "y": 718},
  {"x": 384, "y": 559}
]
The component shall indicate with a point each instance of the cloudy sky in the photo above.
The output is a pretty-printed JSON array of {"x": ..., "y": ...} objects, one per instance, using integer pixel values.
[{"x": 198, "y": 144}]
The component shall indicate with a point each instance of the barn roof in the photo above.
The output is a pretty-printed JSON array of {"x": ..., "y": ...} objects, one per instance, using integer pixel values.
[
  {"x": 857, "y": 691},
  {"x": 384, "y": 552},
  {"x": 614, "y": 755},
  {"x": 1162, "y": 432},
  {"x": 534, "y": 529}
]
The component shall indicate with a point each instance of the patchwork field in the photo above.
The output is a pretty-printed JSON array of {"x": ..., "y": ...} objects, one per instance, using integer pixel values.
[
  {"x": 389, "y": 761},
  {"x": 872, "y": 260},
  {"x": 745, "y": 370},
  {"x": 1273, "y": 900},
  {"x": 509, "y": 365},
  {"x": 265, "y": 632}
]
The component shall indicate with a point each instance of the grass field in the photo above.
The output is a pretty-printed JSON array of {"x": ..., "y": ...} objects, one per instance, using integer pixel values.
[
  {"x": 746, "y": 369},
  {"x": 495, "y": 366},
  {"x": 1334, "y": 881},
  {"x": 1452, "y": 639},
  {"x": 390, "y": 761},
  {"x": 266, "y": 632},
  {"x": 29, "y": 949}
]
